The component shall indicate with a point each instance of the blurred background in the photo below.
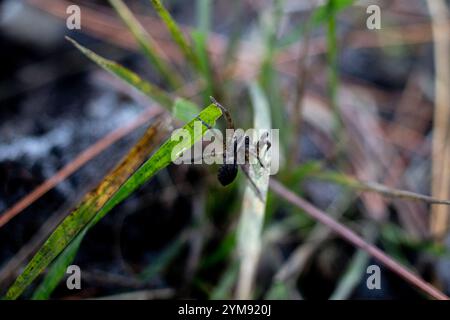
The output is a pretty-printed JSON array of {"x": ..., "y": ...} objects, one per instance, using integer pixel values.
[{"x": 361, "y": 103}]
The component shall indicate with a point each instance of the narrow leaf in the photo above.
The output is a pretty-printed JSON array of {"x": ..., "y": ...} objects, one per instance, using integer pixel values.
[
  {"x": 326, "y": 11},
  {"x": 128, "y": 76},
  {"x": 91, "y": 203},
  {"x": 86, "y": 213},
  {"x": 177, "y": 34},
  {"x": 146, "y": 42},
  {"x": 253, "y": 209}
]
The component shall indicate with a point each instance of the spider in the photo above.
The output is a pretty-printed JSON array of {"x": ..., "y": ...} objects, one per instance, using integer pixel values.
[{"x": 232, "y": 145}]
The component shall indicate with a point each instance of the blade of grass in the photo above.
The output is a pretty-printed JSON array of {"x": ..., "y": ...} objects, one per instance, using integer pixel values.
[
  {"x": 223, "y": 290},
  {"x": 200, "y": 38},
  {"x": 163, "y": 259},
  {"x": 58, "y": 268},
  {"x": 332, "y": 60},
  {"x": 128, "y": 76},
  {"x": 268, "y": 77},
  {"x": 130, "y": 163},
  {"x": 253, "y": 209},
  {"x": 355, "y": 270},
  {"x": 325, "y": 12},
  {"x": 94, "y": 200},
  {"x": 200, "y": 41},
  {"x": 89, "y": 213},
  {"x": 177, "y": 34},
  {"x": 351, "y": 277},
  {"x": 146, "y": 42}
]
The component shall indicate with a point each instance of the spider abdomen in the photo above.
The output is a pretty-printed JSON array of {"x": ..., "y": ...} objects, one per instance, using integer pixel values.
[{"x": 227, "y": 173}]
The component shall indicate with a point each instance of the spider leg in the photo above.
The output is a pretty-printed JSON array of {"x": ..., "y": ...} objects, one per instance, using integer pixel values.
[
  {"x": 247, "y": 148},
  {"x": 226, "y": 113},
  {"x": 230, "y": 125},
  {"x": 252, "y": 183},
  {"x": 264, "y": 139}
]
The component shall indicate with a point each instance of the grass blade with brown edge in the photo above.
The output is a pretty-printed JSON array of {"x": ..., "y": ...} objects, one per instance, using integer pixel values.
[
  {"x": 88, "y": 214},
  {"x": 96, "y": 199},
  {"x": 110, "y": 184}
]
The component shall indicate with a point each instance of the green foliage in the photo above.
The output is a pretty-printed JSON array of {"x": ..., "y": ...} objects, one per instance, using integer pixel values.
[
  {"x": 91, "y": 210},
  {"x": 177, "y": 34},
  {"x": 329, "y": 10},
  {"x": 147, "y": 44},
  {"x": 127, "y": 76}
]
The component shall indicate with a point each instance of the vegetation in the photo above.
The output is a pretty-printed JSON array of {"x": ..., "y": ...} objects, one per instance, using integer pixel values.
[{"x": 255, "y": 226}]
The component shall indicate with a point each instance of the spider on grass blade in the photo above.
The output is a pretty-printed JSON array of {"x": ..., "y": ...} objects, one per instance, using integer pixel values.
[{"x": 232, "y": 146}]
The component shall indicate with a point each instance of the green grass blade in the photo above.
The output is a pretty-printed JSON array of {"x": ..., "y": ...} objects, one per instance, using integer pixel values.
[
  {"x": 278, "y": 291},
  {"x": 146, "y": 42},
  {"x": 224, "y": 288},
  {"x": 200, "y": 39},
  {"x": 94, "y": 201},
  {"x": 177, "y": 34},
  {"x": 200, "y": 42},
  {"x": 269, "y": 80},
  {"x": 58, "y": 268},
  {"x": 128, "y": 76},
  {"x": 89, "y": 213},
  {"x": 351, "y": 277},
  {"x": 327, "y": 14},
  {"x": 253, "y": 209},
  {"x": 161, "y": 159},
  {"x": 163, "y": 259},
  {"x": 332, "y": 61},
  {"x": 356, "y": 269}
]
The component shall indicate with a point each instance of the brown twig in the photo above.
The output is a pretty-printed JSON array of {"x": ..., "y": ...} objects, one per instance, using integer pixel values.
[{"x": 356, "y": 240}]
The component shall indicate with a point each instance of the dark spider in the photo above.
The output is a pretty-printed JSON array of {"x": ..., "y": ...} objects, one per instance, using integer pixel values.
[{"x": 228, "y": 171}]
